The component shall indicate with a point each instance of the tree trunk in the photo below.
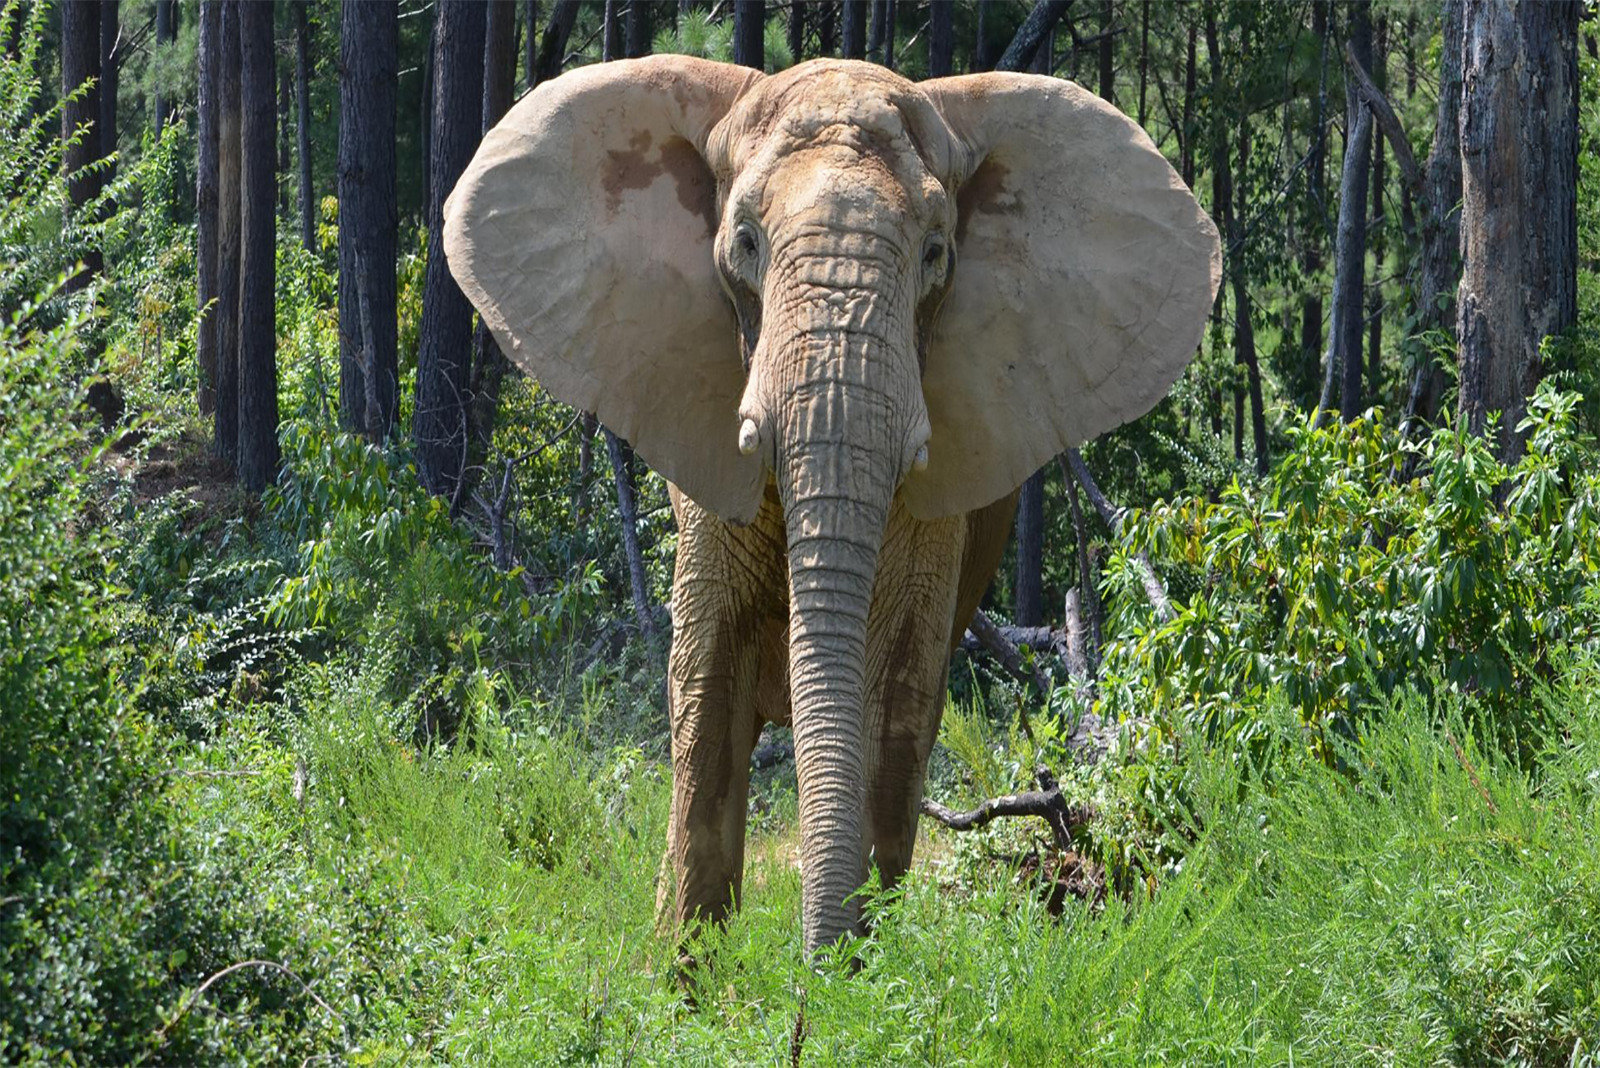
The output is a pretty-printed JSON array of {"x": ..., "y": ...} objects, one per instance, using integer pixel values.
[
  {"x": 444, "y": 350},
  {"x": 610, "y": 32},
  {"x": 854, "y": 17},
  {"x": 888, "y": 33},
  {"x": 1441, "y": 224},
  {"x": 1353, "y": 258},
  {"x": 1144, "y": 57},
  {"x": 1031, "y": 34},
  {"x": 80, "y": 62},
  {"x": 1029, "y": 609},
  {"x": 225, "y": 431},
  {"x": 1377, "y": 225},
  {"x": 285, "y": 91},
  {"x": 749, "y": 25},
  {"x": 1107, "y": 53},
  {"x": 206, "y": 203},
  {"x": 1244, "y": 333},
  {"x": 166, "y": 34},
  {"x": 1186, "y": 138},
  {"x": 258, "y": 371},
  {"x": 827, "y": 28},
  {"x": 1230, "y": 221},
  {"x": 553, "y": 46},
  {"x": 500, "y": 71},
  {"x": 1518, "y": 203},
  {"x": 980, "y": 46},
  {"x": 369, "y": 44},
  {"x": 875, "y": 32},
  {"x": 622, "y": 471},
  {"x": 637, "y": 33},
  {"x": 941, "y": 40},
  {"x": 302, "y": 97},
  {"x": 425, "y": 111},
  {"x": 797, "y": 30},
  {"x": 110, "y": 59},
  {"x": 530, "y": 44},
  {"x": 1311, "y": 260}
]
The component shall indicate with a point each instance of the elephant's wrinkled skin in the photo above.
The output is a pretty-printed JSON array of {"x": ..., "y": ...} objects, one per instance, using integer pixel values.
[{"x": 846, "y": 316}]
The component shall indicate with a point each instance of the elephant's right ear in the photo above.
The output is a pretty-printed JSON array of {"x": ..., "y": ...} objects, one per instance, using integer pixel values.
[{"x": 582, "y": 231}]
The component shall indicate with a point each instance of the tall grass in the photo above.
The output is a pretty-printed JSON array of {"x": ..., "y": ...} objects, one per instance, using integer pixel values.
[{"x": 1430, "y": 903}]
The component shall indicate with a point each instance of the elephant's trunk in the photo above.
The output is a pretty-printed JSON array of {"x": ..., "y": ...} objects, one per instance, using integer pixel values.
[
  {"x": 842, "y": 437},
  {"x": 833, "y": 551}
]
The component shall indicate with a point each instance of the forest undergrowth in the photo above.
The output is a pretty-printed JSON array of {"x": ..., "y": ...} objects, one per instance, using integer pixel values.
[{"x": 333, "y": 775}]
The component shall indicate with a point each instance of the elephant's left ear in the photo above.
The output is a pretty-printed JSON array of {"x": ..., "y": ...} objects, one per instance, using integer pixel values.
[{"x": 1085, "y": 271}]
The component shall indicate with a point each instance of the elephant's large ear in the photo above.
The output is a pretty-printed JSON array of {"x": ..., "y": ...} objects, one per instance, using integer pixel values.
[
  {"x": 582, "y": 232},
  {"x": 1085, "y": 270}
]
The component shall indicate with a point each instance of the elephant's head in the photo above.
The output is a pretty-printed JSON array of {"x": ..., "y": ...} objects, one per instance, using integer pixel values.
[{"x": 849, "y": 282}]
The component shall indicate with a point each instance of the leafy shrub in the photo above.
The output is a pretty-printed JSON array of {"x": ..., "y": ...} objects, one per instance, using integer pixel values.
[{"x": 1338, "y": 583}]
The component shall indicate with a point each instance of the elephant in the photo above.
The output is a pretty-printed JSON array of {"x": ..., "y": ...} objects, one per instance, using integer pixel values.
[{"x": 845, "y": 316}]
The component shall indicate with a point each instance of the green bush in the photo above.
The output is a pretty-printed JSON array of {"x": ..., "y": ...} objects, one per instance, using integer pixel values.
[{"x": 1338, "y": 583}]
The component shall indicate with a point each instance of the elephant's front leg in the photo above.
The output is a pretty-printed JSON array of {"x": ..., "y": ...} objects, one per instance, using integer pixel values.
[
  {"x": 726, "y": 591},
  {"x": 908, "y": 658}
]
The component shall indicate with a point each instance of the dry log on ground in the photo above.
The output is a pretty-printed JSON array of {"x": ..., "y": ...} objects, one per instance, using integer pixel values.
[{"x": 1045, "y": 802}]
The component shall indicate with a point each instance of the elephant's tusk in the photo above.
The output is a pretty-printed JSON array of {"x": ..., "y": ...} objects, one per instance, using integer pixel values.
[
  {"x": 919, "y": 462},
  {"x": 749, "y": 437}
]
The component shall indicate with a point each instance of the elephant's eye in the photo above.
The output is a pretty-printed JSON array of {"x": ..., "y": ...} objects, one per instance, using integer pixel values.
[
  {"x": 935, "y": 261},
  {"x": 745, "y": 241}
]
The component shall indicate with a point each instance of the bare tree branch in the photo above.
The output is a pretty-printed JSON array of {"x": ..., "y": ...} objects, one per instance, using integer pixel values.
[
  {"x": 1388, "y": 122},
  {"x": 1045, "y": 802},
  {"x": 1154, "y": 591}
]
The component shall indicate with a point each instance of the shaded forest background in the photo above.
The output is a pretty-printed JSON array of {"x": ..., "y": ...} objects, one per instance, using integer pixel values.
[{"x": 333, "y": 649}]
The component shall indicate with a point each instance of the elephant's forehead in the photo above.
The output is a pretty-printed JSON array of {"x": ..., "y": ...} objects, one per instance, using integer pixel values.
[{"x": 828, "y": 103}]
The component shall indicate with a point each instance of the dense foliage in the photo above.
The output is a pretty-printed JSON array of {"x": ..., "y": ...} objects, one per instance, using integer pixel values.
[{"x": 336, "y": 774}]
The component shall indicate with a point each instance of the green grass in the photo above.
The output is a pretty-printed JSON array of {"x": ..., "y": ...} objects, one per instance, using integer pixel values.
[{"x": 496, "y": 904}]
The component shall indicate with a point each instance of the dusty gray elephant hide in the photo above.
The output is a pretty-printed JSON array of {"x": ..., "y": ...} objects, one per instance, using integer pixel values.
[{"x": 845, "y": 315}]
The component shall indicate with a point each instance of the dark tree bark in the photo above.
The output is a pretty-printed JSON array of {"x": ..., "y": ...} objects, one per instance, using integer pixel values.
[
  {"x": 638, "y": 30},
  {"x": 980, "y": 44},
  {"x": 425, "y": 110},
  {"x": 611, "y": 32},
  {"x": 1144, "y": 56},
  {"x": 1377, "y": 224},
  {"x": 622, "y": 471},
  {"x": 1107, "y": 53},
  {"x": 369, "y": 44},
  {"x": 1317, "y": 178},
  {"x": 166, "y": 33},
  {"x": 500, "y": 68},
  {"x": 1231, "y": 222},
  {"x": 285, "y": 91},
  {"x": 110, "y": 60},
  {"x": 80, "y": 62},
  {"x": 225, "y": 432},
  {"x": 854, "y": 16},
  {"x": 749, "y": 23},
  {"x": 258, "y": 367},
  {"x": 797, "y": 30},
  {"x": 1186, "y": 141},
  {"x": 941, "y": 40},
  {"x": 1441, "y": 222},
  {"x": 530, "y": 43},
  {"x": 1031, "y": 34},
  {"x": 1353, "y": 253},
  {"x": 887, "y": 58},
  {"x": 302, "y": 97},
  {"x": 553, "y": 46},
  {"x": 880, "y": 10},
  {"x": 210, "y": 46},
  {"x": 827, "y": 22},
  {"x": 1518, "y": 202},
  {"x": 1029, "y": 609},
  {"x": 444, "y": 351}
]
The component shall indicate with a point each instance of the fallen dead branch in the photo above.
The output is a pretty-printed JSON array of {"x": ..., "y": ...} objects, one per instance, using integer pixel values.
[{"x": 1045, "y": 802}]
